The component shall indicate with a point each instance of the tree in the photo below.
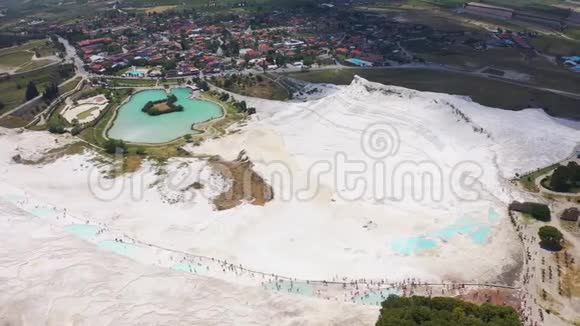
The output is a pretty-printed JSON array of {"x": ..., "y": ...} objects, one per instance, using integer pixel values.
[
  {"x": 114, "y": 146},
  {"x": 308, "y": 61},
  {"x": 203, "y": 85},
  {"x": 228, "y": 83},
  {"x": 540, "y": 212},
  {"x": 50, "y": 92},
  {"x": 31, "y": 91},
  {"x": 418, "y": 310},
  {"x": 140, "y": 151},
  {"x": 280, "y": 60},
  {"x": 169, "y": 65},
  {"x": 565, "y": 177},
  {"x": 188, "y": 138},
  {"x": 56, "y": 126},
  {"x": 550, "y": 238},
  {"x": 75, "y": 130}
]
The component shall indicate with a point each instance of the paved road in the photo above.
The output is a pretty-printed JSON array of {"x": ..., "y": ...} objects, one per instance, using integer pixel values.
[
  {"x": 7, "y": 113},
  {"x": 341, "y": 67},
  {"x": 447, "y": 69},
  {"x": 72, "y": 56}
]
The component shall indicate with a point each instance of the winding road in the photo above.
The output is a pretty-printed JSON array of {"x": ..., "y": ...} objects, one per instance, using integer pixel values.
[{"x": 71, "y": 56}]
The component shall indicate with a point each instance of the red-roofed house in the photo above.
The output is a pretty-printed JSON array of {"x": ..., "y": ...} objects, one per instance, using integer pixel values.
[
  {"x": 520, "y": 41},
  {"x": 373, "y": 57},
  {"x": 356, "y": 52},
  {"x": 264, "y": 48},
  {"x": 252, "y": 53},
  {"x": 95, "y": 41}
]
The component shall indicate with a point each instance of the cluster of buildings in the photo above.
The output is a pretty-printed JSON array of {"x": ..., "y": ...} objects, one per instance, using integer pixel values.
[
  {"x": 173, "y": 44},
  {"x": 168, "y": 46},
  {"x": 502, "y": 38},
  {"x": 185, "y": 44}
]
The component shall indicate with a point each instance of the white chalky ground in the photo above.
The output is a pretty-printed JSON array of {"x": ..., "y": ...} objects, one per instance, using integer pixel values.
[{"x": 450, "y": 229}]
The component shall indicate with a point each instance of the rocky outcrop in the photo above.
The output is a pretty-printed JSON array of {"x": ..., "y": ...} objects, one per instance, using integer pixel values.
[{"x": 246, "y": 184}]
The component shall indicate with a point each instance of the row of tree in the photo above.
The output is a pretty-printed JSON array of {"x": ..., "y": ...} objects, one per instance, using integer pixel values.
[
  {"x": 241, "y": 106},
  {"x": 151, "y": 109},
  {"x": 439, "y": 311},
  {"x": 550, "y": 238},
  {"x": 540, "y": 212},
  {"x": 565, "y": 177}
]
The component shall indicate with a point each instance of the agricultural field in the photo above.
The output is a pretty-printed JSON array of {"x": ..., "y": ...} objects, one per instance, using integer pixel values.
[
  {"x": 27, "y": 57},
  {"x": 542, "y": 69},
  {"x": 70, "y": 85},
  {"x": 539, "y": 6},
  {"x": 481, "y": 90},
  {"x": 553, "y": 45},
  {"x": 47, "y": 10},
  {"x": 573, "y": 33},
  {"x": 541, "y": 72},
  {"x": 158, "y": 9},
  {"x": 13, "y": 88},
  {"x": 42, "y": 47},
  {"x": 255, "y": 86}
]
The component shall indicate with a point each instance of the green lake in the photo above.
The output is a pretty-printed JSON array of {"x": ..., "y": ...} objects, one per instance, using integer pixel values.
[{"x": 133, "y": 125}]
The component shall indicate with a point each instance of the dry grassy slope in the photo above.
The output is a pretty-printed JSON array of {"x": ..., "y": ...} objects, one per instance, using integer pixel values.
[{"x": 246, "y": 184}]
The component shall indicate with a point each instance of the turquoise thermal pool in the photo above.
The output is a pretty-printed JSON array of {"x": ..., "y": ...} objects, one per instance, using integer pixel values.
[
  {"x": 85, "y": 231},
  {"x": 133, "y": 125},
  {"x": 478, "y": 232}
]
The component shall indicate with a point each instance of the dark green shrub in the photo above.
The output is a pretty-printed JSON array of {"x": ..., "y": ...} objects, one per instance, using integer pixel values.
[
  {"x": 565, "y": 177},
  {"x": 115, "y": 146},
  {"x": 417, "y": 310},
  {"x": 550, "y": 238},
  {"x": 140, "y": 151},
  {"x": 540, "y": 212},
  {"x": 56, "y": 126}
]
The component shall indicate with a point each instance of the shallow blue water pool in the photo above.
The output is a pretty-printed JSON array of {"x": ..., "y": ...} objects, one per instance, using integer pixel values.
[
  {"x": 133, "y": 125},
  {"x": 292, "y": 287},
  {"x": 85, "y": 231},
  {"x": 120, "y": 248}
]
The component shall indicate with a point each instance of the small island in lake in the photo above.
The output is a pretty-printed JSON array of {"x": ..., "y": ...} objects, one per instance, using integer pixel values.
[{"x": 162, "y": 106}]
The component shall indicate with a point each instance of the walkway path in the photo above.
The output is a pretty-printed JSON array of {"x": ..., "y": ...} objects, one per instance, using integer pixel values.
[
  {"x": 339, "y": 288},
  {"x": 7, "y": 113},
  {"x": 70, "y": 56},
  {"x": 411, "y": 66}
]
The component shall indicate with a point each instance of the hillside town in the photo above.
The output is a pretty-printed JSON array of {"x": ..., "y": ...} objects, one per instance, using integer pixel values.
[{"x": 183, "y": 44}]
